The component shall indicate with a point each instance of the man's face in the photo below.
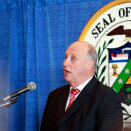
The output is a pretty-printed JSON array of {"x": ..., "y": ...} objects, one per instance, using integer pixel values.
[{"x": 75, "y": 64}]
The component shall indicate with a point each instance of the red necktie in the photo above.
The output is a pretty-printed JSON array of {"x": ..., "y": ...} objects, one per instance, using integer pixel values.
[{"x": 72, "y": 97}]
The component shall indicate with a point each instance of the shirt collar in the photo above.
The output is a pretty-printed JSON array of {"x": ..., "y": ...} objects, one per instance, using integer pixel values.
[{"x": 81, "y": 86}]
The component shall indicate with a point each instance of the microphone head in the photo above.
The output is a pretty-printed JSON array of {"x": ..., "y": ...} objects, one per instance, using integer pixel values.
[{"x": 31, "y": 86}]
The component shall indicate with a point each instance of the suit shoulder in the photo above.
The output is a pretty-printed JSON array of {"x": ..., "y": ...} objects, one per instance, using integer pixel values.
[
  {"x": 60, "y": 89},
  {"x": 106, "y": 93},
  {"x": 104, "y": 89}
]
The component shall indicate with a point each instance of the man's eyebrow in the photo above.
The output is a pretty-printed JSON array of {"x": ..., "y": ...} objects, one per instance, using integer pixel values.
[{"x": 72, "y": 54}]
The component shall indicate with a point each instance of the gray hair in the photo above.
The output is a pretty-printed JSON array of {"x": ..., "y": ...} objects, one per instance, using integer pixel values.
[{"x": 92, "y": 54}]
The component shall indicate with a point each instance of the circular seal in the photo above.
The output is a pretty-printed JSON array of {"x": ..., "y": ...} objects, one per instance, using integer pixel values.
[{"x": 109, "y": 31}]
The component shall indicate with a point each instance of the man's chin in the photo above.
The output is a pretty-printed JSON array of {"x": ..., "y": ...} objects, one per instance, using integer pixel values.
[{"x": 67, "y": 78}]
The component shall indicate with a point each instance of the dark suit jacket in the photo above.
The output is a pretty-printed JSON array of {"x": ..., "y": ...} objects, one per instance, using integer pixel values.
[{"x": 97, "y": 108}]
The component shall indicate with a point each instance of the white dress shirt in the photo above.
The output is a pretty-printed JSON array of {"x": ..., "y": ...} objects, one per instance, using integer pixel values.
[{"x": 80, "y": 87}]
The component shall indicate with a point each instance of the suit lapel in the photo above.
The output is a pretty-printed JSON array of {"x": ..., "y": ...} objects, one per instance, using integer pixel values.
[
  {"x": 62, "y": 102},
  {"x": 80, "y": 100}
]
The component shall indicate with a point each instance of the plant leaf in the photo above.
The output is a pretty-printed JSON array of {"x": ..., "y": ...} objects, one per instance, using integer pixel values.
[
  {"x": 104, "y": 44},
  {"x": 103, "y": 59},
  {"x": 103, "y": 70},
  {"x": 99, "y": 51},
  {"x": 96, "y": 74},
  {"x": 124, "y": 110},
  {"x": 103, "y": 79},
  {"x": 110, "y": 41}
]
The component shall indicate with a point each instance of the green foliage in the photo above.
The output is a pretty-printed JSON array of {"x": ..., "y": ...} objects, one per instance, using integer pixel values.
[{"x": 101, "y": 60}]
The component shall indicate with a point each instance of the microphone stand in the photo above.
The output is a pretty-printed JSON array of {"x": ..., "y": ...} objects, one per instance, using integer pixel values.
[{"x": 10, "y": 102}]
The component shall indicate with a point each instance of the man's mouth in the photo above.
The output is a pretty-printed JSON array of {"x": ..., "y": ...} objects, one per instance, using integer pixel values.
[{"x": 66, "y": 72}]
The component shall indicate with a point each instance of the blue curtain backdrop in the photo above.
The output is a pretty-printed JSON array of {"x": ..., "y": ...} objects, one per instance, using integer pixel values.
[{"x": 34, "y": 35}]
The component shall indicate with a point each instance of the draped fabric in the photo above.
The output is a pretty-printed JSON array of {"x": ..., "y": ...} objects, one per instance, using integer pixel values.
[{"x": 34, "y": 35}]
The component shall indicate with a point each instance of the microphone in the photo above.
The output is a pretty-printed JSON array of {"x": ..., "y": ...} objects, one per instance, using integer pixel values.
[{"x": 30, "y": 87}]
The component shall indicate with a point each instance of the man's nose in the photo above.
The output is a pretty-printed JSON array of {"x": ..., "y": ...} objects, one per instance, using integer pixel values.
[{"x": 66, "y": 62}]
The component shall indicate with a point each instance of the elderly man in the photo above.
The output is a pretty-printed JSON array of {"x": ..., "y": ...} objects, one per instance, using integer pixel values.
[{"x": 84, "y": 104}]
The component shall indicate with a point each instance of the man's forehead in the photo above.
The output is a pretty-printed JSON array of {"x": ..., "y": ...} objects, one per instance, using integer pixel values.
[
  {"x": 76, "y": 48},
  {"x": 70, "y": 52},
  {"x": 72, "y": 49}
]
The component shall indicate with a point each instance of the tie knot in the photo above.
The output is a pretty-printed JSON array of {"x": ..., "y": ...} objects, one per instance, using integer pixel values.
[{"x": 75, "y": 91}]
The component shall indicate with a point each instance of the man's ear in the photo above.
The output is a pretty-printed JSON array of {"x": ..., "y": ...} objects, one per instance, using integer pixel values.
[{"x": 90, "y": 64}]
